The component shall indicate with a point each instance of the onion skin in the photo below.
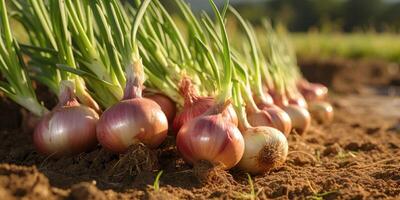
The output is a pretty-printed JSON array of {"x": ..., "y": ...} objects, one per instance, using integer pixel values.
[
  {"x": 321, "y": 111},
  {"x": 134, "y": 119},
  {"x": 280, "y": 119},
  {"x": 265, "y": 148},
  {"x": 130, "y": 122},
  {"x": 299, "y": 100},
  {"x": 211, "y": 138},
  {"x": 312, "y": 91},
  {"x": 266, "y": 100},
  {"x": 279, "y": 99},
  {"x": 197, "y": 107},
  {"x": 166, "y": 104},
  {"x": 66, "y": 130},
  {"x": 300, "y": 117}
]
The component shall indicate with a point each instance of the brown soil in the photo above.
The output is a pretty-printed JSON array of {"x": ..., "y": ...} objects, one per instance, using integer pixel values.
[{"x": 356, "y": 157}]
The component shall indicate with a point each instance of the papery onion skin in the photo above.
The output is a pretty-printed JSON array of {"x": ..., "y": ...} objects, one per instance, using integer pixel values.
[
  {"x": 197, "y": 107},
  {"x": 166, "y": 104},
  {"x": 265, "y": 148},
  {"x": 321, "y": 111},
  {"x": 298, "y": 101},
  {"x": 279, "y": 99},
  {"x": 300, "y": 117},
  {"x": 66, "y": 130},
  {"x": 280, "y": 119},
  {"x": 211, "y": 138},
  {"x": 270, "y": 115},
  {"x": 266, "y": 100},
  {"x": 312, "y": 91},
  {"x": 130, "y": 122}
]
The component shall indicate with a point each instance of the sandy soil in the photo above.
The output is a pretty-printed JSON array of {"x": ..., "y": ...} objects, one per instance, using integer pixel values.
[{"x": 356, "y": 157}]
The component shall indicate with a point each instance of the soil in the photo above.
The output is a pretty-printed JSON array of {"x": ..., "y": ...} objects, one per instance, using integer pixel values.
[{"x": 355, "y": 157}]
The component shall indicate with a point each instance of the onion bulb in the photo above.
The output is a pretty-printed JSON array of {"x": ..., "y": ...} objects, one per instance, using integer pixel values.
[
  {"x": 321, "y": 111},
  {"x": 280, "y": 119},
  {"x": 295, "y": 98},
  {"x": 265, "y": 148},
  {"x": 134, "y": 119},
  {"x": 195, "y": 106},
  {"x": 166, "y": 104},
  {"x": 312, "y": 91},
  {"x": 70, "y": 128},
  {"x": 300, "y": 118},
  {"x": 212, "y": 138},
  {"x": 280, "y": 100},
  {"x": 272, "y": 117}
]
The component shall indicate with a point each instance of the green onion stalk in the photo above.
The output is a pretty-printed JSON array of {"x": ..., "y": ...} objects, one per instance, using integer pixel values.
[
  {"x": 299, "y": 115},
  {"x": 41, "y": 50},
  {"x": 174, "y": 67},
  {"x": 265, "y": 147},
  {"x": 53, "y": 49},
  {"x": 315, "y": 94},
  {"x": 221, "y": 141},
  {"x": 70, "y": 128},
  {"x": 259, "y": 112},
  {"x": 133, "y": 119},
  {"x": 104, "y": 73},
  {"x": 16, "y": 85}
]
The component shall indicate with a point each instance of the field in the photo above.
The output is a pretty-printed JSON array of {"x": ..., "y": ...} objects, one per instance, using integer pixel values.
[
  {"x": 146, "y": 100},
  {"x": 384, "y": 46},
  {"x": 356, "y": 157}
]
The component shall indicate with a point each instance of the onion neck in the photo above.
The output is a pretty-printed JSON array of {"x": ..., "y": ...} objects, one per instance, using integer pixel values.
[
  {"x": 239, "y": 108},
  {"x": 134, "y": 82},
  {"x": 187, "y": 90},
  {"x": 218, "y": 108},
  {"x": 248, "y": 99},
  {"x": 67, "y": 94},
  {"x": 84, "y": 96}
]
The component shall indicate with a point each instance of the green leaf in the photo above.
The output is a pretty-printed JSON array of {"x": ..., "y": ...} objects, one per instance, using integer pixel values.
[{"x": 82, "y": 73}]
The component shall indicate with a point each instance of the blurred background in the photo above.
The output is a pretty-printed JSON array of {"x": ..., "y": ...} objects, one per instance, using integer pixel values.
[
  {"x": 325, "y": 15},
  {"x": 326, "y": 28}
]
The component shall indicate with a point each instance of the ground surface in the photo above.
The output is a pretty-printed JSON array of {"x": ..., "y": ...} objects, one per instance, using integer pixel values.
[{"x": 356, "y": 157}]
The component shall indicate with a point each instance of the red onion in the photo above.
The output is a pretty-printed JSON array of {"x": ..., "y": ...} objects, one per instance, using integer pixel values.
[
  {"x": 295, "y": 98},
  {"x": 133, "y": 120},
  {"x": 322, "y": 112},
  {"x": 312, "y": 91},
  {"x": 195, "y": 106},
  {"x": 300, "y": 118},
  {"x": 212, "y": 138},
  {"x": 265, "y": 148},
  {"x": 265, "y": 100},
  {"x": 280, "y": 100},
  {"x": 166, "y": 104},
  {"x": 69, "y": 128},
  {"x": 280, "y": 119}
]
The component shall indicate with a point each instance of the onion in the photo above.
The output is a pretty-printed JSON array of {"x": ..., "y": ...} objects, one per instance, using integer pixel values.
[
  {"x": 265, "y": 148},
  {"x": 280, "y": 100},
  {"x": 280, "y": 119},
  {"x": 212, "y": 138},
  {"x": 272, "y": 117},
  {"x": 321, "y": 111},
  {"x": 312, "y": 91},
  {"x": 166, "y": 104},
  {"x": 195, "y": 106},
  {"x": 300, "y": 118},
  {"x": 265, "y": 100},
  {"x": 133, "y": 120},
  {"x": 295, "y": 98},
  {"x": 70, "y": 128}
]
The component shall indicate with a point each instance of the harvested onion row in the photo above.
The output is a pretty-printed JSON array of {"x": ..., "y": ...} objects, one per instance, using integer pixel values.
[{"x": 227, "y": 105}]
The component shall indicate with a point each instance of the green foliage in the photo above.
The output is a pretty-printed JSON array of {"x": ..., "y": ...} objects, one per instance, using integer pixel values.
[{"x": 357, "y": 45}]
